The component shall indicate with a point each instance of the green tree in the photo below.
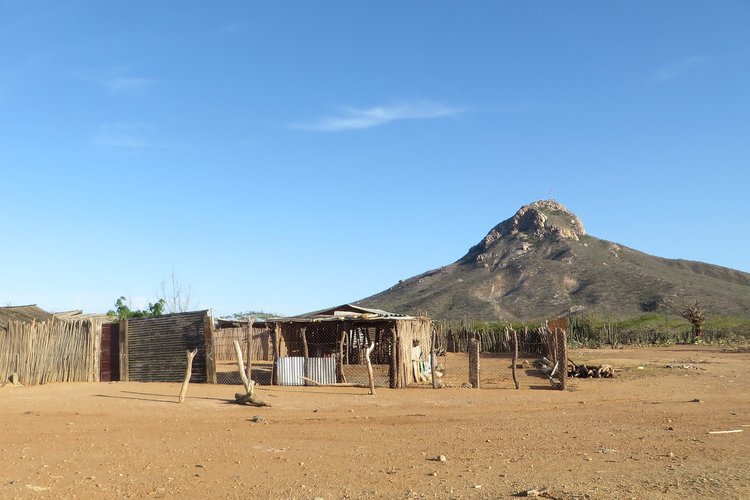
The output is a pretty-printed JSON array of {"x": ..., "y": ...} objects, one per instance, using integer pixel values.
[
  {"x": 243, "y": 316},
  {"x": 123, "y": 311}
]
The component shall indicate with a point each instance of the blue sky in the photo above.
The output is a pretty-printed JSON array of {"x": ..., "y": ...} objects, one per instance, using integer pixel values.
[{"x": 289, "y": 156}]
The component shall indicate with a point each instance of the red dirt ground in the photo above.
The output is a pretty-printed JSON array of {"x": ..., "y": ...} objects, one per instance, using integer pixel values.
[{"x": 644, "y": 434}]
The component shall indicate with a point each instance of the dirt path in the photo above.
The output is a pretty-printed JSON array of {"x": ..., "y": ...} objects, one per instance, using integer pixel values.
[{"x": 640, "y": 435}]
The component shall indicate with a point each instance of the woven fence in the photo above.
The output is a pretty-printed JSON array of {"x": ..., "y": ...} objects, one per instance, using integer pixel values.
[{"x": 50, "y": 351}]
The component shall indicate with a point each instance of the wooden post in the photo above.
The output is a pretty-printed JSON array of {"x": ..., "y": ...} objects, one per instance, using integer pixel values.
[
  {"x": 14, "y": 375},
  {"x": 305, "y": 353},
  {"x": 124, "y": 354},
  {"x": 249, "y": 385},
  {"x": 474, "y": 363},
  {"x": 188, "y": 373},
  {"x": 562, "y": 357},
  {"x": 370, "y": 375},
  {"x": 249, "y": 367},
  {"x": 276, "y": 353},
  {"x": 340, "y": 361},
  {"x": 208, "y": 332},
  {"x": 515, "y": 357},
  {"x": 432, "y": 358},
  {"x": 393, "y": 369},
  {"x": 248, "y": 398}
]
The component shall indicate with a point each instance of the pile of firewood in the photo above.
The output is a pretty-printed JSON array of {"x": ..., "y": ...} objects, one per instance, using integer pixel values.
[
  {"x": 589, "y": 371},
  {"x": 550, "y": 370},
  {"x": 553, "y": 372}
]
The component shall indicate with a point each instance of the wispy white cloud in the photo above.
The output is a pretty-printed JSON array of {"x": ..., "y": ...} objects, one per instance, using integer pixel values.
[
  {"x": 363, "y": 118},
  {"x": 123, "y": 135},
  {"x": 117, "y": 80},
  {"x": 674, "y": 69}
]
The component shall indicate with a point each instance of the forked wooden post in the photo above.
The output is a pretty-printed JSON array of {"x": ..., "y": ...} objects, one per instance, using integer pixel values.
[
  {"x": 188, "y": 373},
  {"x": 248, "y": 398},
  {"x": 241, "y": 367}
]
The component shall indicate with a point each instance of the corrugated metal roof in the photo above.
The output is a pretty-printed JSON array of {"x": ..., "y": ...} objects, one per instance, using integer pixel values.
[
  {"x": 27, "y": 314},
  {"x": 78, "y": 314},
  {"x": 346, "y": 312}
]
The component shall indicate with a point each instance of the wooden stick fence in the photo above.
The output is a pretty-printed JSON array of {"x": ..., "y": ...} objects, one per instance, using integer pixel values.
[
  {"x": 456, "y": 337},
  {"x": 51, "y": 351},
  {"x": 261, "y": 343},
  {"x": 557, "y": 352}
]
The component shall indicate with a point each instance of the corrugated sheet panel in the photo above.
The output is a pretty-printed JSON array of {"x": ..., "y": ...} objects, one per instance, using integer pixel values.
[
  {"x": 322, "y": 370},
  {"x": 289, "y": 370},
  {"x": 157, "y": 345},
  {"x": 27, "y": 314}
]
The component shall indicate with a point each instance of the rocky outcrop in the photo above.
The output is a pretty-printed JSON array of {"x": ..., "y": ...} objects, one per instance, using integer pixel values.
[{"x": 544, "y": 220}]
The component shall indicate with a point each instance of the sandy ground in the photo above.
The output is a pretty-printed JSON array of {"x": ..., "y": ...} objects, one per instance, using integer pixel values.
[{"x": 644, "y": 434}]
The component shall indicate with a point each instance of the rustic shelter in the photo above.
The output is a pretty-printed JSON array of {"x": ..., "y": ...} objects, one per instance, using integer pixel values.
[{"x": 329, "y": 346}]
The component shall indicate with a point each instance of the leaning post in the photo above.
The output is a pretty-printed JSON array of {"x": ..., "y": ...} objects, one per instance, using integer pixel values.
[{"x": 188, "y": 373}]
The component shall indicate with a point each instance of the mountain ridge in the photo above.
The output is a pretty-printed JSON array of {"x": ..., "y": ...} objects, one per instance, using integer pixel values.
[{"x": 541, "y": 263}]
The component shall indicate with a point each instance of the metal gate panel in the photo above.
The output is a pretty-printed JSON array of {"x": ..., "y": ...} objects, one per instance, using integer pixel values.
[
  {"x": 289, "y": 370},
  {"x": 322, "y": 370}
]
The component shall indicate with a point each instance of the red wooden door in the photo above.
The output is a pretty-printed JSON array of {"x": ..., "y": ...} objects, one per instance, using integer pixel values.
[{"x": 109, "y": 366}]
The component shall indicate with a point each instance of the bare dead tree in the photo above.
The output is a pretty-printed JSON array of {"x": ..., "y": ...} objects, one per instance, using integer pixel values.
[
  {"x": 177, "y": 297},
  {"x": 694, "y": 313}
]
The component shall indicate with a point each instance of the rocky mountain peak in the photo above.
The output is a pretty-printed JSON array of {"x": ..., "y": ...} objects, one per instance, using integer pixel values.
[
  {"x": 545, "y": 219},
  {"x": 541, "y": 221}
]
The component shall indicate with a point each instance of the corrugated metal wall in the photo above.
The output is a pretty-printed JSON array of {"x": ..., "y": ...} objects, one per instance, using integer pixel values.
[
  {"x": 290, "y": 370},
  {"x": 322, "y": 370},
  {"x": 157, "y": 345}
]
